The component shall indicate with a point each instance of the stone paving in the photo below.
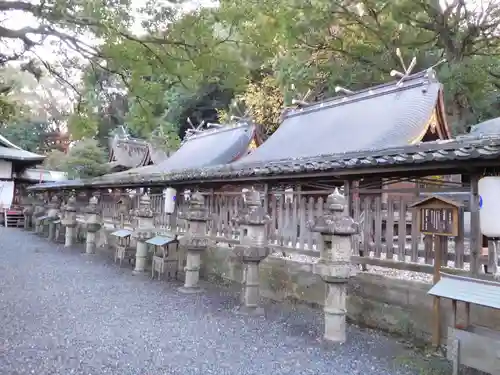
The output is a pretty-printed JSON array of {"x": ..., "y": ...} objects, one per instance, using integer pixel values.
[{"x": 62, "y": 312}]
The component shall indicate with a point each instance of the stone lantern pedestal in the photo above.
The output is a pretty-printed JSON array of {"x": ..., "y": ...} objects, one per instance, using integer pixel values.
[
  {"x": 69, "y": 221},
  {"x": 195, "y": 241},
  {"x": 143, "y": 232},
  {"x": 52, "y": 216},
  {"x": 335, "y": 266},
  {"x": 28, "y": 211},
  {"x": 252, "y": 249},
  {"x": 93, "y": 224},
  {"x": 38, "y": 212}
]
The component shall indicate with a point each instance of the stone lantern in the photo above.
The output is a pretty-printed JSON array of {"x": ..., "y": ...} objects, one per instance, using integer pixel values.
[
  {"x": 335, "y": 266},
  {"x": 195, "y": 241},
  {"x": 53, "y": 215},
  {"x": 69, "y": 221},
  {"x": 28, "y": 211},
  {"x": 143, "y": 232},
  {"x": 39, "y": 212},
  {"x": 92, "y": 224},
  {"x": 252, "y": 249}
]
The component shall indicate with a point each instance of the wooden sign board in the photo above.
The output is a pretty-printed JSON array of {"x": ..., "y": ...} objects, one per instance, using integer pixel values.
[{"x": 438, "y": 216}]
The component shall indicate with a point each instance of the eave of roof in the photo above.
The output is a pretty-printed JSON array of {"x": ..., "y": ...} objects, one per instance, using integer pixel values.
[
  {"x": 18, "y": 154},
  {"x": 423, "y": 156}
]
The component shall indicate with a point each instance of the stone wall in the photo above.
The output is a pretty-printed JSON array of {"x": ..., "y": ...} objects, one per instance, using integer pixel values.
[{"x": 394, "y": 305}]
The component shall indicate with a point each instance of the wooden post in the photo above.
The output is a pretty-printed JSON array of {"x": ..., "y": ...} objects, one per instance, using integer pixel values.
[
  {"x": 266, "y": 196},
  {"x": 267, "y": 209},
  {"x": 349, "y": 197},
  {"x": 436, "y": 332},
  {"x": 475, "y": 232},
  {"x": 454, "y": 312},
  {"x": 467, "y": 315}
]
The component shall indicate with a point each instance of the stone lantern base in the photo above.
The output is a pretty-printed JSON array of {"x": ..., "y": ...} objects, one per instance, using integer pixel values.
[{"x": 192, "y": 270}]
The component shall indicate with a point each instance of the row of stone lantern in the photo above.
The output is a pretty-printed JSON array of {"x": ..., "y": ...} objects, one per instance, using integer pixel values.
[
  {"x": 334, "y": 265},
  {"x": 39, "y": 213}
]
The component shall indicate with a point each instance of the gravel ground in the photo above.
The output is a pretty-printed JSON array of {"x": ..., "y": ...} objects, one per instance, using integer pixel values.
[{"x": 66, "y": 313}]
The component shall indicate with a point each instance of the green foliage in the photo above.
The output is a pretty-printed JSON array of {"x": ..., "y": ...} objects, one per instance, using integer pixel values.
[
  {"x": 165, "y": 138},
  {"x": 29, "y": 135},
  {"x": 264, "y": 102},
  {"x": 193, "y": 64},
  {"x": 56, "y": 161},
  {"x": 85, "y": 159}
]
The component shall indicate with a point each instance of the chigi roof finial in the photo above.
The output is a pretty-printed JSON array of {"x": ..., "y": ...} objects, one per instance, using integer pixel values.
[
  {"x": 301, "y": 102},
  {"x": 343, "y": 90},
  {"x": 407, "y": 70}
]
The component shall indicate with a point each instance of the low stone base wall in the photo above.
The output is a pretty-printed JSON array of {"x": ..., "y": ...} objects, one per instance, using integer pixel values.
[
  {"x": 377, "y": 301},
  {"x": 394, "y": 305}
]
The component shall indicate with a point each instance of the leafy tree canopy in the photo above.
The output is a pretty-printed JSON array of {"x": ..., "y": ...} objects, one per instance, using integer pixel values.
[
  {"x": 265, "y": 53},
  {"x": 84, "y": 160}
]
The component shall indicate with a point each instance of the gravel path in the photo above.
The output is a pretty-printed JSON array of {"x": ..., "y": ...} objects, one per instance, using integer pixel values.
[{"x": 66, "y": 313}]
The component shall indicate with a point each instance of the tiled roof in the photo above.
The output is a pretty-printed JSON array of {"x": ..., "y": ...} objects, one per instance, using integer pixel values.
[
  {"x": 437, "y": 152},
  {"x": 19, "y": 154},
  {"x": 426, "y": 155},
  {"x": 387, "y": 115},
  {"x": 10, "y": 151},
  {"x": 210, "y": 147},
  {"x": 489, "y": 127}
]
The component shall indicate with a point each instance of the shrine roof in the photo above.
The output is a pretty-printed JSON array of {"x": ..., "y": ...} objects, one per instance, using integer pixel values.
[
  {"x": 200, "y": 150},
  {"x": 10, "y": 151},
  {"x": 424, "y": 156},
  {"x": 489, "y": 127},
  {"x": 388, "y": 115},
  {"x": 208, "y": 147}
]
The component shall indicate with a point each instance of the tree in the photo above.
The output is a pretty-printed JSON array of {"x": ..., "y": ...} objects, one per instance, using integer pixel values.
[
  {"x": 29, "y": 135},
  {"x": 319, "y": 45},
  {"x": 65, "y": 26},
  {"x": 263, "y": 101},
  {"x": 102, "y": 107},
  {"x": 85, "y": 159}
]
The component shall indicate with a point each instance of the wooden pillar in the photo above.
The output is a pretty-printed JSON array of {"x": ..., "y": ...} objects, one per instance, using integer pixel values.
[
  {"x": 454, "y": 313},
  {"x": 475, "y": 229},
  {"x": 467, "y": 314},
  {"x": 348, "y": 185}
]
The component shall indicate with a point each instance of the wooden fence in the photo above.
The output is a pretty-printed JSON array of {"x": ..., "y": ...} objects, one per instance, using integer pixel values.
[{"x": 388, "y": 236}]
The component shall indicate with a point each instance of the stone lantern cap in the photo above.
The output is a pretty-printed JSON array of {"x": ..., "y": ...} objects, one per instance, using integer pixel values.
[
  {"x": 92, "y": 207},
  {"x": 144, "y": 209},
  {"x": 70, "y": 204},
  {"x": 335, "y": 221},
  {"x": 54, "y": 203},
  {"x": 253, "y": 213},
  {"x": 196, "y": 209}
]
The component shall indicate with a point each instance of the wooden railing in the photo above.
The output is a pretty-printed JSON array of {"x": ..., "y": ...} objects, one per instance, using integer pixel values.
[{"x": 388, "y": 236}]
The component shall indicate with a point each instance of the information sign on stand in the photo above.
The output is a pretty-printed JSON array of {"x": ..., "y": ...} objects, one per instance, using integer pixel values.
[{"x": 437, "y": 217}]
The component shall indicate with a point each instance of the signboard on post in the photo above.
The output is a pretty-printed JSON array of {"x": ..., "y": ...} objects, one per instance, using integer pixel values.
[{"x": 438, "y": 216}]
